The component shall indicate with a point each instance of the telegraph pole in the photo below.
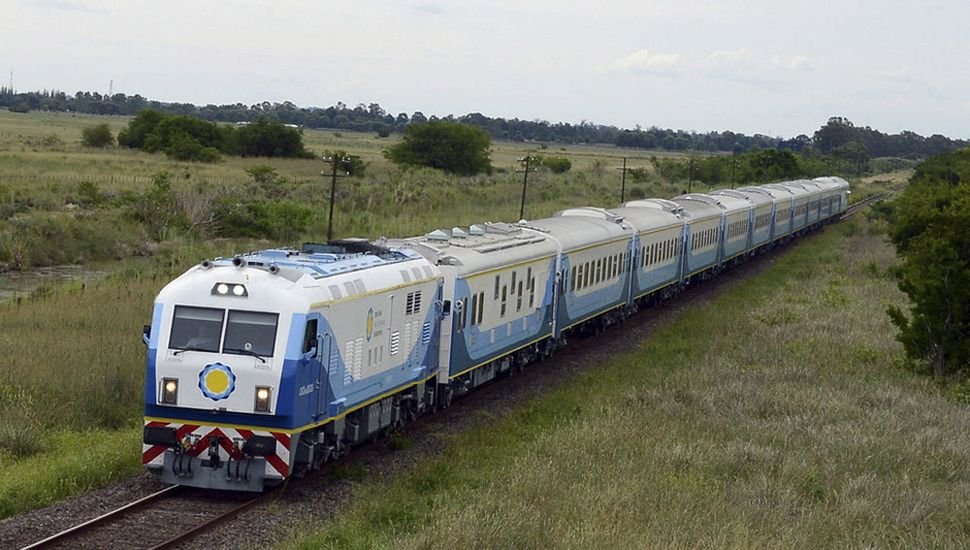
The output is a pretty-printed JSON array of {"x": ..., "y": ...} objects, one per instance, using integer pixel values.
[
  {"x": 623, "y": 181},
  {"x": 690, "y": 176},
  {"x": 334, "y": 161},
  {"x": 734, "y": 167},
  {"x": 528, "y": 159}
]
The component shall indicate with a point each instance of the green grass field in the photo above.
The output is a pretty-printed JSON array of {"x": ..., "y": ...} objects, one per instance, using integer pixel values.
[
  {"x": 73, "y": 367},
  {"x": 777, "y": 415}
]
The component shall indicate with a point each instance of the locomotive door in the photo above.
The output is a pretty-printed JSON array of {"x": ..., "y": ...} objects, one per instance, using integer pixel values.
[{"x": 323, "y": 374}]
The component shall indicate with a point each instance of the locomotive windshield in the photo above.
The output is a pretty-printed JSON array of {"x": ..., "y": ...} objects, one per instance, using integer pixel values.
[
  {"x": 250, "y": 332},
  {"x": 196, "y": 328},
  {"x": 200, "y": 329}
]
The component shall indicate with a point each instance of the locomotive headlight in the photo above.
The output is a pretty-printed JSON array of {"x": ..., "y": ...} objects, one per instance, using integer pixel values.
[
  {"x": 229, "y": 289},
  {"x": 170, "y": 391},
  {"x": 263, "y": 395}
]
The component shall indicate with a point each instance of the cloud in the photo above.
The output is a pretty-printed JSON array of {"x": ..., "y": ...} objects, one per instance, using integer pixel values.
[
  {"x": 63, "y": 5},
  {"x": 645, "y": 61},
  {"x": 793, "y": 63},
  {"x": 720, "y": 57},
  {"x": 899, "y": 74},
  {"x": 429, "y": 9}
]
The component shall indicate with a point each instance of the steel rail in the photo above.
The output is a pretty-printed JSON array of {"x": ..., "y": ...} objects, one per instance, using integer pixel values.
[
  {"x": 221, "y": 518},
  {"x": 117, "y": 512}
]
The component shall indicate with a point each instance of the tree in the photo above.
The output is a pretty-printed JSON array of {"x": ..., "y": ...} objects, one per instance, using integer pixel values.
[
  {"x": 265, "y": 138},
  {"x": 449, "y": 146},
  {"x": 139, "y": 128},
  {"x": 97, "y": 136},
  {"x": 928, "y": 227}
]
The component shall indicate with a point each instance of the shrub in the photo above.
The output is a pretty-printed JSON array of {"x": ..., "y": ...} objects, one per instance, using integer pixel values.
[
  {"x": 449, "y": 146},
  {"x": 89, "y": 194},
  {"x": 184, "y": 147},
  {"x": 557, "y": 165},
  {"x": 280, "y": 221},
  {"x": 97, "y": 136}
]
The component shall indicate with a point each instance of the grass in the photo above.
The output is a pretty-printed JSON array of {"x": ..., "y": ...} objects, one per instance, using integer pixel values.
[
  {"x": 72, "y": 380},
  {"x": 70, "y": 463},
  {"x": 777, "y": 415},
  {"x": 73, "y": 359}
]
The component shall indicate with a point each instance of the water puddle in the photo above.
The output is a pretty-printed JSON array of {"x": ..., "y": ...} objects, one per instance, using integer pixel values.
[{"x": 14, "y": 283}]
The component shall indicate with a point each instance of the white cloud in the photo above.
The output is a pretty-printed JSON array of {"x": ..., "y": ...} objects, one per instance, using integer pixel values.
[
  {"x": 645, "y": 61},
  {"x": 793, "y": 63},
  {"x": 900, "y": 74},
  {"x": 742, "y": 55}
]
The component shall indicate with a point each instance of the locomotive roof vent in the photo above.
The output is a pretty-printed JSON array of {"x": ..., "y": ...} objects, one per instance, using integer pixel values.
[
  {"x": 476, "y": 229},
  {"x": 458, "y": 233},
  {"x": 438, "y": 235}
]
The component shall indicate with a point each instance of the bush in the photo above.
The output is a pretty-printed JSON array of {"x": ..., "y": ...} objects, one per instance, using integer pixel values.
[
  {"x": 184, "y": 147},
  {"x": 265, "y": 138},
  {"x": 449, "y": 146},
  {"x": 280, "y": 221},
  {"x": 89, "y": 194},
  {"x": 97, "y": 136},
  {"x": 557, "y": 165}
]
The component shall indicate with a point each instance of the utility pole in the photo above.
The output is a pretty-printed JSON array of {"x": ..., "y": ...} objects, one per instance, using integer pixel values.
[
  {"x": 734, "y": 167},
  {"x": 690, "y": 175},
  {"x": 528, "y": 159},
  {"x": 334, "y": 161},
  {"x": 623, "y": 181}
]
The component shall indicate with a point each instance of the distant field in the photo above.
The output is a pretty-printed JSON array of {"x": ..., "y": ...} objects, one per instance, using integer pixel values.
[
  {"x": 45, "y": 148},
  {"x": 779, "y": 415}
]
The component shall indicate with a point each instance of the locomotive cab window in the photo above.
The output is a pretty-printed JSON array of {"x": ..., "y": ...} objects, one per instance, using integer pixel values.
[
  {"x": 310, "y": 336},
  {"x": 249, "y": 332},
  {"x": 196, "y": 328}
]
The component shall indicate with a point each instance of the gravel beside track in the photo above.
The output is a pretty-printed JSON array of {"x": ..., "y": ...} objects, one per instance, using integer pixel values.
[{"x": 313, "y": 501}]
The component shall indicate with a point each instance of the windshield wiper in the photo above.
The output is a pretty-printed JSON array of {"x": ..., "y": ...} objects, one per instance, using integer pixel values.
[
  {"x": 192, "y": 348},
  {"x": 245, "y": 352}
]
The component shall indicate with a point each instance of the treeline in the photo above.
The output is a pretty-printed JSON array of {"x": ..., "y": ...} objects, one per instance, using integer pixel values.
[
  {"x": 837, "y": 132},
  {"x": 184, "y": 137}
]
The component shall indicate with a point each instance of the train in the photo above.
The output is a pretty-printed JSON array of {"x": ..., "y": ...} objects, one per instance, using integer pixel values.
[{"x": 266, "y": 365}]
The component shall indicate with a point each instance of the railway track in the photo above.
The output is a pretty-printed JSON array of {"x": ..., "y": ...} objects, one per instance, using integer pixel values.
[
  {"x": 163, "y": 519},
  {"x": 856, "y": 207}
]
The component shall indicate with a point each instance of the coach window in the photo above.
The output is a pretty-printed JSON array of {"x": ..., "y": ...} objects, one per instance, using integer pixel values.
[
  {"x": 504, "y": 301},
  {"x": 196, "y": 328},
  {"x": 496, "y": 287},
  {"x": 518, "y": 298},
  {"x": 249, "y": 332},
  {"x": 512, "y": 284}
]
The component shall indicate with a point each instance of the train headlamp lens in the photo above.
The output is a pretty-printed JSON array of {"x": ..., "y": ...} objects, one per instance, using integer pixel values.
[
  {"x": 229, "y": 289},
  {"x": 170, "y": 391},
  {"x": 263, "y": 395}
]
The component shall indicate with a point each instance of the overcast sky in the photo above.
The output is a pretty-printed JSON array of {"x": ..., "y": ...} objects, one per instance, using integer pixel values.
[{"x": 766, "y": 66}]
